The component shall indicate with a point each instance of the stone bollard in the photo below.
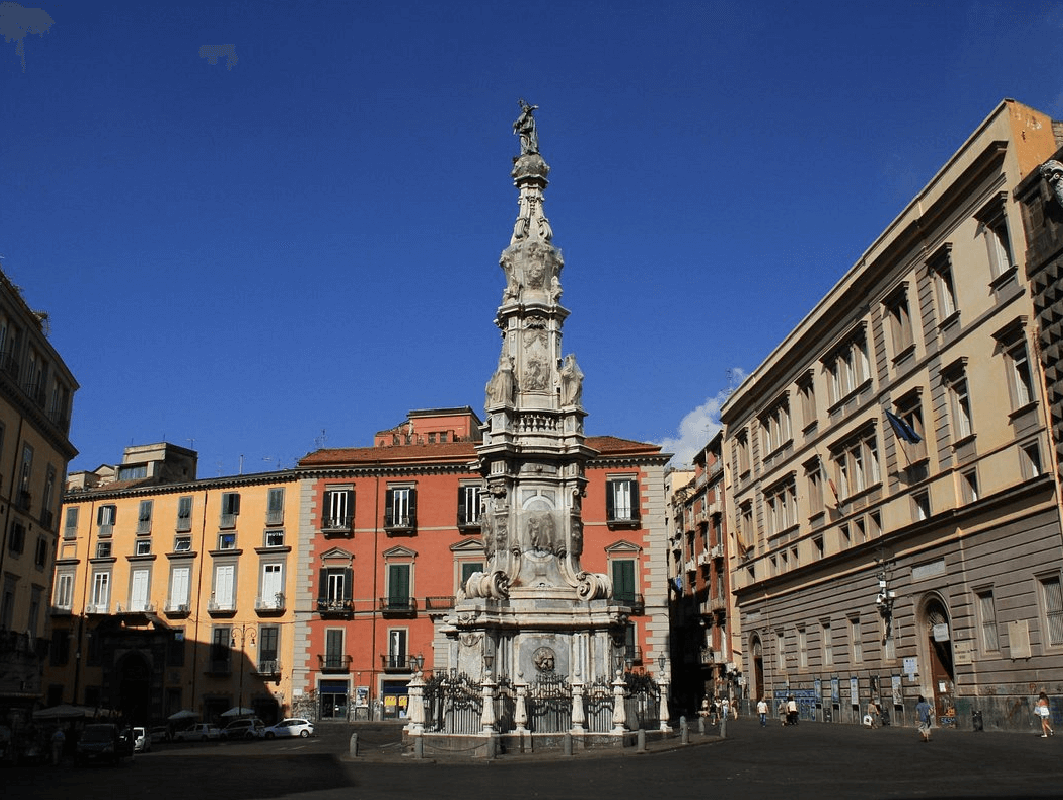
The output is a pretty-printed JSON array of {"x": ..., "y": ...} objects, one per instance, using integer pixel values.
[
  {"x": 568, "y": 744},
  {"x": 354, "y": 744},
  {"x": 418, "y": 747},
  {"x": 723, "y": 728},
  {"x": 701, "y": 726},
  {"x": 684, "y": 731},
  {"x": 642, "y": 741}
]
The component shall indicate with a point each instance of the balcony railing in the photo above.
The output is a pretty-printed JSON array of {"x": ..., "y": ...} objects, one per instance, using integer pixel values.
[
  {"x": 98, "y": 608},
  {"x": 334, "y": 662},
  {"x": 221, "y": 608},
  {"x": 275, "y": 517},
  {"x": 398, "y": 606},
  {"x": 134, "y": 608},
  {"x": 267, "y": 667},
  {"x": 396, "y": 663},
  {"x": 337, "y": 526},
  {"x": 636, "y": 602},
  {"x": 59, "y": 611},
  {"x": 177, "y": 609},
  {"x": 633, "y": 654},
  {"x": 438, "y": 603},
  {"x": 335, "y": 608},
  {"x": 274, "y": 602},
  {"x": 399, "y": 523}
]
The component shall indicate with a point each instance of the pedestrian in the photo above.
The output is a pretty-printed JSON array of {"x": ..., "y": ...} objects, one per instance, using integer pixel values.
[
  {"x": 791, "y": 710},
  {"x": 726, "y": 709},
  {"x": 873, "y": 715},
  {"x": 762, "y": 710},
  {"x": 1042, "y": 710},
  {"x": 925, "y": 714},
  {"x": 58, "y": 741}
]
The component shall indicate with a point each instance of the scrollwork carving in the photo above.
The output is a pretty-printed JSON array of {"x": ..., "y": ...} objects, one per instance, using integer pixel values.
[{"x": 1052, "y": 171}]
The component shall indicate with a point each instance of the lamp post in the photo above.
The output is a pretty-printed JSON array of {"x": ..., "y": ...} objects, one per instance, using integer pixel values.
[
  {"x": 662, "y": 662},
  {"x": 416, "y": 689},
  {"x": 247, "y": 636}
]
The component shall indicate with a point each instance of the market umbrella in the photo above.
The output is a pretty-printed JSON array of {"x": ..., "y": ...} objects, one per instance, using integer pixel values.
[
  {"x": 237, "y": 711},
  {"x": 182, "y": 715},
  {"x": 63, "y": 711}
]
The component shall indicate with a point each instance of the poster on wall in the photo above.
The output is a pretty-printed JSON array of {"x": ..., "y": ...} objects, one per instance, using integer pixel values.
[
  {"x": 854, "y": 690},
  {"x": 835, "y": 690},
  {"x": 897, "y": 699}
]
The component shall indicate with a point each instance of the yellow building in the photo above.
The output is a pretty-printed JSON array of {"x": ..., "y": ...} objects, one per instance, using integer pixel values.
[
  {"x": 173, "y": 594},
  {"x": 893, "y": 511},
  {"x": 36, "y": 397}
]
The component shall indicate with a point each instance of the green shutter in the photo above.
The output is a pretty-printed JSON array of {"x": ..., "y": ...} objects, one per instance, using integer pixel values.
[
  {"x": 624, "y": 581},
  {"x": 398, "y": 584}
]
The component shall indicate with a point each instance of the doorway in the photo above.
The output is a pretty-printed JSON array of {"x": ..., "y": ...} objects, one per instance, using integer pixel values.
[{"x": 938, "y": 633}]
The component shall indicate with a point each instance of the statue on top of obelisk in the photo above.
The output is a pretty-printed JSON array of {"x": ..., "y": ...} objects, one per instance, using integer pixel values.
[{"x": 524, "y": 127}]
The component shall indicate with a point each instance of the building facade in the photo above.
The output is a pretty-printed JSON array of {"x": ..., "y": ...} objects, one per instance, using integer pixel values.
[
  {"x": 173, "y": 593},
  {"x": 893, "y": 508},
  {"x": 707, "y": 661},
  {"x": 391, "y": 534},
  {"x": 36, "y": 400}
]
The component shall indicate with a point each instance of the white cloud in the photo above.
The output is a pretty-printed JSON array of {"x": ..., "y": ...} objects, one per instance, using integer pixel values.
[{"x": 699, "y": 426}]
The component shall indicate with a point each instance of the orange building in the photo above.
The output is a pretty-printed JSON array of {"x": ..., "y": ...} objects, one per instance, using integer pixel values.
[{"x": 392, "y": 533}]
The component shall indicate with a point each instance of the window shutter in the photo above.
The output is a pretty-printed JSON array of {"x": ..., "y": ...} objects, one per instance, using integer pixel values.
[
  {"x": 350, "y": 507},
  {"x": 413, "y": 506},
  {"x": 635, "y": 507},
  {"x": 276, "y": 500},
  {"x": 348, "y": 584},
  {"x": 610, "y": 487},
  {"x": 399, "y": 583},
  {"x": 389, "y": 512},
  {"x": 322, "y": 584}
]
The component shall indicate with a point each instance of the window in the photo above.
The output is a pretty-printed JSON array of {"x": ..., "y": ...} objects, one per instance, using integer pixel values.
[
  {"x": 921, "y": 505},
  {"x": 129, "y": 472},
  {"x": 828, "y": 644},
  {"x": 622, "y": 501},
  {"x": 848, "y": 366},
  {"x": 275, "y": 507},
  {"x": 64, "y": 590},
  {"x": 742, "y": 451},
  {"x": 397, "y": 648},
  {"x": 987, "y": 619},
  {"x": 781, "y": 502},
  {"x": 100, "y": 594},
  {"x": 271, "y": 594},
  {"x": 338, "y": 509},
  {"x": 1031, "y": 460},
  {"x": 399, "y": 587},
  {"x": 143, "y": 547},
  {"x": 70, "y": 530},
  {"x": 909, "y": 410},
  {"x": 221, "y": 649},
  {"x": 994, "y": 229},
  {"x": 335, "y": 589},
  {"x": 226, "y": 541},
  {"x": 856, "y": 464},
  {"x": 46, "y": 497},
  {"x": 144, "y": 517},
  {"x": 224, "y": 594},
  {"x": 776, "y": 426},
  {"x": 103, "y": 549},
  {"x": 807, "y": 391},
  {"x": 624, "y": 586},
  {"x": 105, "y": 519},
  {"x": 138, "y": 589},
  {"x": 1052, "y": 598},
  {"x": 959, "y": 403},
  {"x": 334, "y": 656},
  {"x": 184, "y": 514},
  {"x": 230, "y": 509},
  {"x": 969, "y": 486},
  {"x": 817, "y": 546},
  {"x": 268, "y": 649},
  {"x": 400, "y": 511},
  {"x": 802, "y": 648},
  {"x": 780, "y": 650},
  {"x": 274, "y": 537},
  {"x": 856, "y": 638},
  {"x": 468, "y": 506},
  {"x": 1012, "y": 345},
  {"x": 814, "y": 485},
  {"x": 179, "y": 582},
  {"x": 467, "y": 569},
  {"x": 16, "y": 542},
  {"x": 941, "y": 268},
  {"x": 899, "y": 320},
  {"x": 59, "y": 652},
  {"x": 22, "y": 500},
  {"x": 182, "y": 544}
]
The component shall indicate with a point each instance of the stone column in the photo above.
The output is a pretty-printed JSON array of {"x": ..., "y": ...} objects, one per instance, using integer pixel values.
[
  {"x": 663, "y": 714},
  {"x": 619, "y": 712},
  {"x": 487, "y": 716},
  {"x": 416, "y": 711},
  {"x": 578, "y": 715},
  {"x": 520, "y": 713}
]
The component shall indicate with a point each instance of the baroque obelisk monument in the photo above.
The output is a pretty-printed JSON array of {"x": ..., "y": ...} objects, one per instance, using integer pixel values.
[{"x": 533, "y": 610}]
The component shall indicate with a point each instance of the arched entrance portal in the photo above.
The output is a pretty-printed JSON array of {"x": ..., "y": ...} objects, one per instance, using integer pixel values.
[
  {"x": 757, "y": 689},
  {"x": 133, "y": 674},
  {"x": 938, "y": 639}
]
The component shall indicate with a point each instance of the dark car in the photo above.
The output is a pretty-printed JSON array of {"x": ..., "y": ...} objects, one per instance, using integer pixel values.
[
  {"x": 244, "y": 729},
  {"x": 104, "y": 742}
]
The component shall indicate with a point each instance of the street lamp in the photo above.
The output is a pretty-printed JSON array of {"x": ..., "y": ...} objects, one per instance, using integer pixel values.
[{"x": 247, "y": 636}]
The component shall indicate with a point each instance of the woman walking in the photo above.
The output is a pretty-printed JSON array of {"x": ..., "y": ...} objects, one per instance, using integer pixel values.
[
  {"x": 1044, "y": 712},
  {"x": 923, "y": 713}
]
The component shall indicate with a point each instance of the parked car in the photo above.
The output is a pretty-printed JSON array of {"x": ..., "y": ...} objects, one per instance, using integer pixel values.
[
  {"x": 160, "y": 733},
  {"x": 141, "y": 740},
  {"x": 199, "y": 732},
  {"x": 290, "y": 727},
  {"x": 244, "y": 729},
  {"x": 104, "y": 742}
]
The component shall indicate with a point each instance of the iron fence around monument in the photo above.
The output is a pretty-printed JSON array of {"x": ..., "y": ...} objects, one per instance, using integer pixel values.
[
  {"x": 642, "y": 701},
  {"x": 453, "y": 704},
  {"x": 550, "y": 704},
  {"x": 598, "y": 706}
]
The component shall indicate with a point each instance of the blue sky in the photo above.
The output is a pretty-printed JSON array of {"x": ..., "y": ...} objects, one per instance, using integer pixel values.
[{"x": 298, "y": 243}]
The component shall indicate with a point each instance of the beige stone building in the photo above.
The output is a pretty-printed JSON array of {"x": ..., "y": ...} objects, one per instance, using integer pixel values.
[
  {"x": 174, "y": 593},
  {"x": 36, "y": 398},
  {"x": 893, "y": 509}
]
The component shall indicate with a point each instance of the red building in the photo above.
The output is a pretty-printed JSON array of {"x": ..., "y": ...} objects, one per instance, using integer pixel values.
[{"x": 391, "y": 532}]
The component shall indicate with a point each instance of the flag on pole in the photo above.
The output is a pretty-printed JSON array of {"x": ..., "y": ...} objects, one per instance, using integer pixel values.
[{"x": 903, "y": 429}]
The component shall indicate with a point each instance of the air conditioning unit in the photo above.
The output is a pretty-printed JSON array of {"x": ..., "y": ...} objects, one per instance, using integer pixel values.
[{"x": 183, "y": 608}]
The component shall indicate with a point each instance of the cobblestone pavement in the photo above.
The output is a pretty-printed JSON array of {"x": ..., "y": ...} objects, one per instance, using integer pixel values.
[{"x": 820, "y": 761}]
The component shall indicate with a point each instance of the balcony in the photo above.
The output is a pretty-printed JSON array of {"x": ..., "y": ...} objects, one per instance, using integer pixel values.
[
  {"x": 636, "y": 602},
  {"x": 336, "y": 609},
  {"x": 717, "y": 551},
  {"x": 396, "y": 663},
  {"x": 717, "y": 603},
  {"x": 267, "y": 668},
  {"x": 468, "y": 522},
  {"x": 221, "y": 609},
  {"x": 334, "y": 663},
  {"x": 60, "y": 611},
  {"x": 632, "y": 655},
  {"x": 337, "y": 526},
  {"x": 273, "y": 604},
  {"x": 98, "y": 608},
  {"x": 142, "y": 607},
  {"x": 275, "y": 517},
  {"x": 176, "y": 610},
  {"x": 438, "y": 603},
  {"x": 707, "y": 656},
  {"x": 399, "y": 524},
  {"x": 398, "y": 606}
]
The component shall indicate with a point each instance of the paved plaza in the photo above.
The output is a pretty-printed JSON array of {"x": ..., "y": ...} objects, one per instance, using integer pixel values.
[{"x": 807, "y": 761}]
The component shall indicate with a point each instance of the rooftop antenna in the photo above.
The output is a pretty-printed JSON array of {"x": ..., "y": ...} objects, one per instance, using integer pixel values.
[
  {"x": 191, "y": 444},
  {"x": 241, "y": 472},
  {"x": 319, "y": 442}
]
